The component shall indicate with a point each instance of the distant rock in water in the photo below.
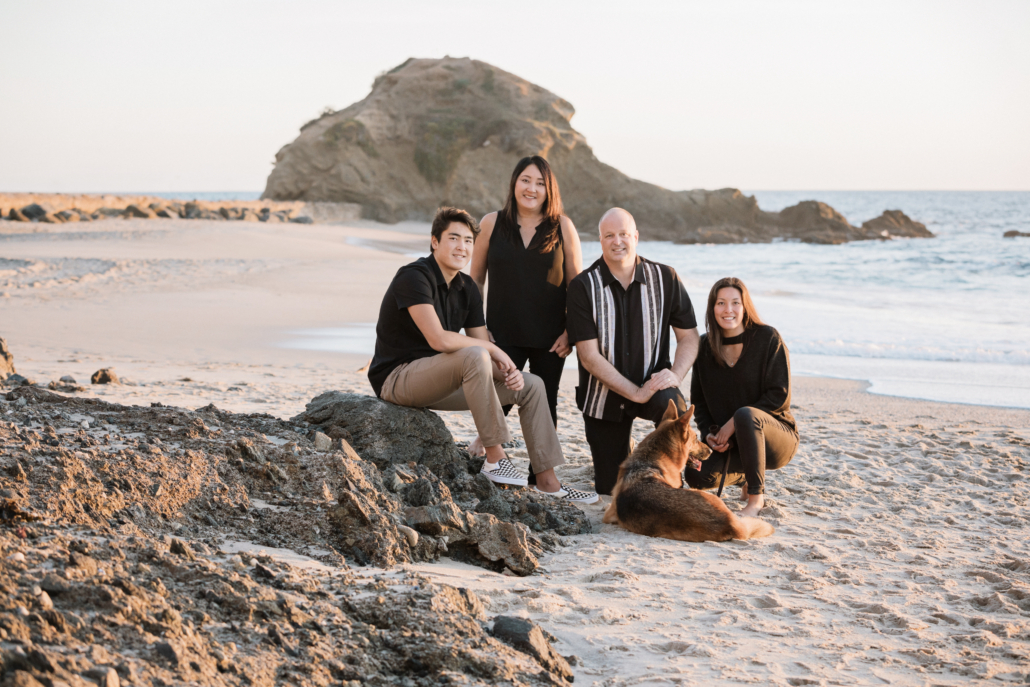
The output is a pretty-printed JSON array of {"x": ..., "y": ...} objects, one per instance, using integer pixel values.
[
  {"x": 897, "y": 223},
  {"x": 449, "y": 132},
  {"x": 1012, "y": 233}
]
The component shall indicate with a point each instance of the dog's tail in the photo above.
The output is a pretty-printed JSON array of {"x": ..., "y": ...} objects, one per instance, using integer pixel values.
[{"x": 750, "y": 528}]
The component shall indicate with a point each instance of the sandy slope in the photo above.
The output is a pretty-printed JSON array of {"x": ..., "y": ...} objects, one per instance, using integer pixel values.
[{"x": 901, "y": 554}]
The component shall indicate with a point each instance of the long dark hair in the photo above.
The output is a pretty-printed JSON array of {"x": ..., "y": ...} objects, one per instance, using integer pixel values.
[
  {"x": 552, "y": 209},
  {"x": 751, "y": 318}
]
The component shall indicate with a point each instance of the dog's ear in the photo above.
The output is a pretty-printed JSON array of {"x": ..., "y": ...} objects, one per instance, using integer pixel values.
[
  {"x": 670, "y": 413},
  {"x": 684, "y": 420}
]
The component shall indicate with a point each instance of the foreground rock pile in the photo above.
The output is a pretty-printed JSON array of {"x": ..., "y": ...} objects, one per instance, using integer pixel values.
[
  {"x": 112, "y": 520},
  {"x": 449, "y": 131}
]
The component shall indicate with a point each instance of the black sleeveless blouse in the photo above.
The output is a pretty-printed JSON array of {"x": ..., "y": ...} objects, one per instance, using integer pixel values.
[{"x": 526, "y": 298}]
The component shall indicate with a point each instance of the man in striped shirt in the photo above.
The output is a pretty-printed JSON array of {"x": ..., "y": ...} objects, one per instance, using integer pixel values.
[{"x": 619, "y": 312}]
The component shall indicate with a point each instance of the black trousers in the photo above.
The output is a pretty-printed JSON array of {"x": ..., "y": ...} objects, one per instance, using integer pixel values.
[
  {"x": 610, "y": 441},
  {"x": 762, "y": 443}
]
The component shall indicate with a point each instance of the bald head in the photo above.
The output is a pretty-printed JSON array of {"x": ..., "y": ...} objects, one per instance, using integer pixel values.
[
  {"x": 618, "y": 233},
  {"x": 615, "y": 219}
]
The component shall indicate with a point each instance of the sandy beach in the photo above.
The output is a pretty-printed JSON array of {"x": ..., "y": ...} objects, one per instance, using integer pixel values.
[{"x": 901, "y": 553}]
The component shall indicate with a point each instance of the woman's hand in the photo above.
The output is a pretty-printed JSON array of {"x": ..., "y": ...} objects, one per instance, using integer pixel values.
[
  {"x": 721, "y": 442},
  {"x": 490, "y": 337},
  {"x": 663, "y": 379},
  {"x": 561, "y": 346}
]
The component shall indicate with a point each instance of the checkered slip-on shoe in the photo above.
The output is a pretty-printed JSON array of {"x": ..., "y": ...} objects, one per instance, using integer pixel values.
[
  {"x": 503, "y": 472},
  {"x": 566, "y": 494}
]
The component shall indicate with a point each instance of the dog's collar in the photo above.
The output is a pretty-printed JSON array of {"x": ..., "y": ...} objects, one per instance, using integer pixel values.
[{"x": 730, "y": 340}]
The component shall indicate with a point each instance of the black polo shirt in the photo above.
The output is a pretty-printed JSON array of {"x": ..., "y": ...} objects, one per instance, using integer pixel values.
[
  {"x": 631, "y": 327},
  {"x": 398, "y": 339}
]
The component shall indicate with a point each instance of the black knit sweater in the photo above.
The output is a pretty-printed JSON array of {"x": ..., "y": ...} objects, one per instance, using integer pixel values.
[{"x": 760, "y": 379}]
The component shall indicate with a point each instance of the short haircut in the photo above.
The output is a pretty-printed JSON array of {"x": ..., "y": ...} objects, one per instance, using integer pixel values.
[{"x": 444, "y": 218}]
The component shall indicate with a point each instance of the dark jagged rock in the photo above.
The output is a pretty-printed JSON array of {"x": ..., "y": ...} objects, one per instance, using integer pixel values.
[
  {"x": 385, "y": 433},
  {"x": 105, "y": 577},
  {"x": 525, "y": 636}
]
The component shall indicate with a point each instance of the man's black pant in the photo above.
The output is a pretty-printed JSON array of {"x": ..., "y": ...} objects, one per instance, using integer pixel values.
[
  {"x": 761, "y": 443},
  {"x": 609, "y": 441}
]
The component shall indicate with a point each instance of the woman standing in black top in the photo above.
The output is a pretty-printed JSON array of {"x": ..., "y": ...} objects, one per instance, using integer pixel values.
[
  {"x": 532, "y": 253},
  {"x": 741, "y": 394}
]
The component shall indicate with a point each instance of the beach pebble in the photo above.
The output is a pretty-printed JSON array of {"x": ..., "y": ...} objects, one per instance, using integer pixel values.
[
  {"x": 17, "y": 557},
  {"x": 84, "y": 424},
  {"x": 409, "y": 534},
  {"x": 68, "y": 379},
  {"x": 322, "y": 442}
]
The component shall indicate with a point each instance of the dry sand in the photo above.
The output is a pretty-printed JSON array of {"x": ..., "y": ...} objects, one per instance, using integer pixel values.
[{"x": 901, "y": 552}]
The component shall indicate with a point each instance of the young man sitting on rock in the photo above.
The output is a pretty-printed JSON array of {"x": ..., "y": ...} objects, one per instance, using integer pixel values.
[{"x": 422, "y": 360}]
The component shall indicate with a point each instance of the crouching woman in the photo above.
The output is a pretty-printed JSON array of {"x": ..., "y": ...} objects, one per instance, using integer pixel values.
[{"x": 741, "y": 393}]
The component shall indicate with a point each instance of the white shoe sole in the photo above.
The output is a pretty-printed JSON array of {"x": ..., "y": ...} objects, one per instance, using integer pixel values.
[
  {"x": 513, "y": 481},
  {"x": 554, "y": 494}
]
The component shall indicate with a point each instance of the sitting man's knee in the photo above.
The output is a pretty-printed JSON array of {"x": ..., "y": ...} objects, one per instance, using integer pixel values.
[
  {"x": 534, "y": 383},
  {"x": 476, "y": 357},
  {"x": 744, "y": 417}
]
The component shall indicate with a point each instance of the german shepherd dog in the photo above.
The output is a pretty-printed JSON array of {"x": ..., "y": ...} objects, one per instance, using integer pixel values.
[{"x": 648, "y": 497}]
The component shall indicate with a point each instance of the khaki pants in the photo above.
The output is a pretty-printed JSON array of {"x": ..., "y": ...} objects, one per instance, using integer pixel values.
[{"x": 464, "y": 380}]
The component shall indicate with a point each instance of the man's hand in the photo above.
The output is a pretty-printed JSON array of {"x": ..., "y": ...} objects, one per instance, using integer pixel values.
[
  {"x": 511, "y": 374},
  {"x": 643, "y": 394},
  {"x": 721, "y": 442},
  {"x": 663, "y": 379},
  {"x": 561, "y": 346}
]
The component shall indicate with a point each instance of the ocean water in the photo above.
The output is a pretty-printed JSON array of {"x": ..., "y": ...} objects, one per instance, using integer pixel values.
[
  {"x": 198, "y": 195},
  {"x": 944, "y": 319}
]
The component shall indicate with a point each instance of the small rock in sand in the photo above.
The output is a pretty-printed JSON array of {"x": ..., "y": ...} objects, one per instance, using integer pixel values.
[
  {"x": 6, "y": 360},
  {"x": 105, "y": 375},
  {"x": 528, "y": 638},
  {"x": 68, "y": 379}
]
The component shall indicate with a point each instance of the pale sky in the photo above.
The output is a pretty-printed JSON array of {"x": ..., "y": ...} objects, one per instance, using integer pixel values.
[{"x": 814, "y": 95}]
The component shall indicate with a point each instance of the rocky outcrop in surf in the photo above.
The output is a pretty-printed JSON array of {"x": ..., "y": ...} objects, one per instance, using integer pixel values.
[
  {"x": 449, "y": 131},
  {"x": 62, "y": 208}
]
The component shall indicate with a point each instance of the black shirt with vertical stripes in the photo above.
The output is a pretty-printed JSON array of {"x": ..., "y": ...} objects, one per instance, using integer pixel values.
[{"x": 631, "y": 327}]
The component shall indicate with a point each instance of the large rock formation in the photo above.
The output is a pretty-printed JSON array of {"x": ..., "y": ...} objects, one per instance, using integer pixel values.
[{"x": 449, "y": 132}]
